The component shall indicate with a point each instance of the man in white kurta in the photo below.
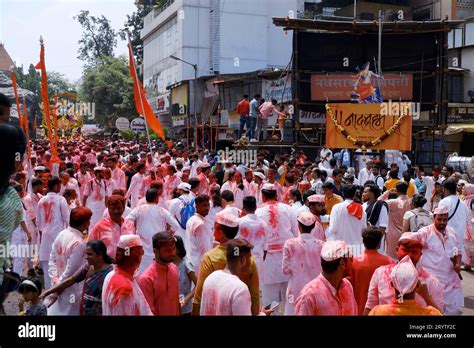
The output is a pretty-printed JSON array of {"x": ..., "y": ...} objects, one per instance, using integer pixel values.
[
  {"x": 31, "y": 201},
  {"x": 458, "y": 214},
  {"x": 149, "y": 219},
  {"x": 67, "y": 257},
  {"x": 52, "y": 216},
  {"x": 118, "y": 174},
  {"x": 252, "y": 229},
  {"x": 301, "y": 259},
  {"x": 95, "y": 195},
  {"x": 223, "y": 292},
  {"x": 83, "y": 177},
  {"x": 326, "y": 156},
  {"x": 135, "y": 191},
  {"x": 282, "y": 225},
  {"x": 442, "y": 258},
  {"x": 177, "y": 204},
  {"x": 347, "y": 220},
  {"x": 430, "y": 181},
  {"x": 365, "y": 173},
  {"x": 121, "y": 294},
  {"x": 199, "y": 238}
]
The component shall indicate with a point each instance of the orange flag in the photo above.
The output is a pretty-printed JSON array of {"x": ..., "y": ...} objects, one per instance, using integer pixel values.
[
  {"x": 17, "y": 101},
  {"x": 27, "y": 131},
  {"x": 45, "y": 99},
  {"x": 140, "y": 99}
]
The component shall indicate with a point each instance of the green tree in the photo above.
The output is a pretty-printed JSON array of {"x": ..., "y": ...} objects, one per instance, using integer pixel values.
[
  {"x": 110, "y": 86},
  {"x": 57, "y": 82},
  {"x": 98, "y": 39},
  {"x": 135, "y": 23}
]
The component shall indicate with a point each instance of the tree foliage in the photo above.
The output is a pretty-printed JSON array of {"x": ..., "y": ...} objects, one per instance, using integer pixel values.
[
  {"x": 135, "y": 23},
  {"x": 110, "y": 86},
  {"x": 57, "y": 82},
  {"x": 98, "y": 40}
]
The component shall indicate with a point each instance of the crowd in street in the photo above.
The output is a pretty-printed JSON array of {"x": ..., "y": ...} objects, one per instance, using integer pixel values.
[{"x": 122, "y": 229}]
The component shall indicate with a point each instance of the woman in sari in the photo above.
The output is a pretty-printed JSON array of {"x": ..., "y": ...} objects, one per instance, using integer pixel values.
[{"x": 99, "y": 264}]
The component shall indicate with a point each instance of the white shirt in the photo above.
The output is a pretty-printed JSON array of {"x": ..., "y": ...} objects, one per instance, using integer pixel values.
[
  {"x": 239, "y": 194},
  {"x": 383, "y": 217},
  {"x": 325, "y": 164},
  {"x": 67, "y": 256},
  {"x": 194, "y": 167},
  {"x": 430, "y": 181},
  {"x": 52, "y": 216},
  {"x": 198, "y": 240},
  {"x": 225, "y": 294},
  {"x": 302, "y": 262},
  {"x": 436, "y": 259},
  {"x": 252, "y": 229},
  {"x": 175, "y": 206},
  {"x": 135, "y": 190},
  {"x": 364, "y": 175},
  {"x": 118, "y": 176},
  {"x": 459, "y": 220},
  {"x": 343, "y": 226},
  {"x": 282, "y": 225},
  {"x": 148, "y": 220}
]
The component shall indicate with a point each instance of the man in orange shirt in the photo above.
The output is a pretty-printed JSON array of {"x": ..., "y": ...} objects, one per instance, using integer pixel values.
[
  {"x": 364, "y": 266},
  {"x": 331, "y": 199},
  {"x": 243, "y": 108},
  {"x": 392, "y": 182}
]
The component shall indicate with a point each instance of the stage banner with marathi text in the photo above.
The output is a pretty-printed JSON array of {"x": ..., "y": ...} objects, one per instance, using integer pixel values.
[
  {"x": 353, "y": 126},
  {"x": 340, "y": 87}
]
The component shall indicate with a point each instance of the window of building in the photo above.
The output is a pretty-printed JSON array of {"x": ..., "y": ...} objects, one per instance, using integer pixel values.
[
  {"x": 458, "y": 37},
  {"x": 422, "y": 15},
  {"x": 469, "y": 35},
  {"x": 455, "y": 89},
  {"x": 451, "y": 39}
]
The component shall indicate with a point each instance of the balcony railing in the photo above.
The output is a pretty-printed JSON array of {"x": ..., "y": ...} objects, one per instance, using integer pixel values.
[{"x": 157, "y": 11}]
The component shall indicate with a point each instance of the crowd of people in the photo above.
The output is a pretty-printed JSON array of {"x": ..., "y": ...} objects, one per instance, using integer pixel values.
[{"x": 117, "y": 228}]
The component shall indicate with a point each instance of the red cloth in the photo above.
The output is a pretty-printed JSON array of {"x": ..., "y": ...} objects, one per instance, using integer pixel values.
[
  {"x": 355, "y": 209},
  {"x": 363, "y": 267},
  {"x": 160, "y": 285},
  {"x": 243, "y": 107}
]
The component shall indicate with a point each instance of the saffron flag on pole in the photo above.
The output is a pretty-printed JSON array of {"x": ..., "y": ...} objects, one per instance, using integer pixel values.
[
  {"x": 140, "y": 99},
  {"x": 45, "y": 99},
  {"x": 27, "y": 130}
]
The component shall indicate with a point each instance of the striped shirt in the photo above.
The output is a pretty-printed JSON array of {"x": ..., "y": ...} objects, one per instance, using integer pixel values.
[{"x": 11, "y": 213}]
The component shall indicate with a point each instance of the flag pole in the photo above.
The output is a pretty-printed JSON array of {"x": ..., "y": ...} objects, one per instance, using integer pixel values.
[
  {"x": 17, "y": 101},
  {"x": 27, "y": 130},
  {"x": 139, "y": 93}
]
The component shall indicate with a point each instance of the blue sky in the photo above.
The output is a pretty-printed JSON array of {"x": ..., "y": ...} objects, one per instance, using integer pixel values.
[{"x": 23, "y": 21}]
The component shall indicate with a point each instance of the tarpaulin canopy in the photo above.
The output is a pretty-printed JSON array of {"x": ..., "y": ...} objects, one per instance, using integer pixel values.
[{"x": 459, "y": 128}]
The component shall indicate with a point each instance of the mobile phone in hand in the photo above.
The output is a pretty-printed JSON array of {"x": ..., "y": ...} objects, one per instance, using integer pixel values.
[{"x": 272, "y": 305}]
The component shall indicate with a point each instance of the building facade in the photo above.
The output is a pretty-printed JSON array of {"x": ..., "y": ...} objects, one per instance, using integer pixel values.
[{"x": 218, "y": 36}]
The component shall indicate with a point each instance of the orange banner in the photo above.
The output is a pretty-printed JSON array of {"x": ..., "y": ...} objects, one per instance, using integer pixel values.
[
  {"x": 351, "y": 126},
  {"x": 27, "y": 130},
  {"x": 140, "y": 99},
  {"x": 45, "y": 99},
  {"x": 340, "y": 87}
]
